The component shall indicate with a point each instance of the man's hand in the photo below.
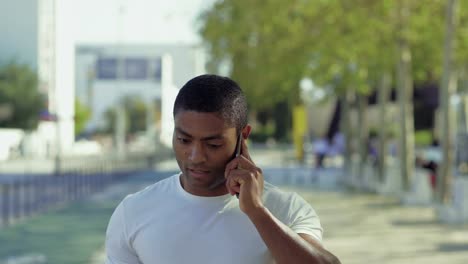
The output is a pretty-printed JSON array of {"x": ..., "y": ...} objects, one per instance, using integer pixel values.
[
  {"x": 246, "y": 179},
  {"x": 243, "y": 177}
]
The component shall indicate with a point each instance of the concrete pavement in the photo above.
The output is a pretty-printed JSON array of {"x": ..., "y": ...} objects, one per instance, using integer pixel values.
[{"x": 367, "y": 228}]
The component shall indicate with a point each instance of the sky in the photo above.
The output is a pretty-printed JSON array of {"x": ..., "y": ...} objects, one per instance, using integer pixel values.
[{"x": 135, "y": 21}]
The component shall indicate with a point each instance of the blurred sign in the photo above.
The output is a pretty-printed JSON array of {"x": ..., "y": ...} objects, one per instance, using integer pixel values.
[
  {"x": 136, "y": 68},
  {"x": 107, "y": 68},
  {"x": 299, "y": 130}
]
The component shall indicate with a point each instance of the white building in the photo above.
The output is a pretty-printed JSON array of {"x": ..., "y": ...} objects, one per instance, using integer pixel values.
[
  {"x": 33, "y": 33},
  {"x": 107, "y": 73},
  {"x": 38, "y": 33},
  {"x": 19, "y": 32}
]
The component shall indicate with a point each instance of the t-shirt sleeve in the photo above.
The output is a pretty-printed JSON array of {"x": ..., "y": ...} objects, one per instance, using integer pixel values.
[
  {"x": 118, "y": 248},
  {"x": 303, "y": 218}
]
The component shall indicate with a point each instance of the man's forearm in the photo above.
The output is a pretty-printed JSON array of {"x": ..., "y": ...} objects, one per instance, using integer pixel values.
[{"x": 284, "y": 244}]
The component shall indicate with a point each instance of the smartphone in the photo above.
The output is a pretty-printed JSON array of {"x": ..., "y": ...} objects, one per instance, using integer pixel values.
[
  {"x": 237, "y": 152},
  {"x": 238, "y": 146}
]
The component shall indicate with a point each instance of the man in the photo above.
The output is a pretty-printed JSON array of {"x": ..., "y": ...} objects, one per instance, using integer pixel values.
[{"x": 218, "y": 209}]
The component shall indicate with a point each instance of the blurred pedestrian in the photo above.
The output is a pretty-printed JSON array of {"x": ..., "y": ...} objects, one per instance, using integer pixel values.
[{"x": 321, "y": 148}]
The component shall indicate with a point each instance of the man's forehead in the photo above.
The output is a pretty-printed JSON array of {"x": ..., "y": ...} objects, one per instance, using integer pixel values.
[
  {"x": 215, "y": 119},
  {"x": 203, "y": 125},
  {"x": 206, "y": 135}
]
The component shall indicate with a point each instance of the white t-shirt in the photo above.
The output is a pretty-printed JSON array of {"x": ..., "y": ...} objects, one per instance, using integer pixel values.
[{"x": 164, "y": 224}]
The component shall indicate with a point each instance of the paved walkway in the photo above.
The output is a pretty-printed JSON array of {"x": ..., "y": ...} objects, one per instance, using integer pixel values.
[{"x": 365, "y": 228}]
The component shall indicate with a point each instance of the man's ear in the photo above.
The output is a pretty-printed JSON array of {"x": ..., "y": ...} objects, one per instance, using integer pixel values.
[{"x": 246, "y": 131}]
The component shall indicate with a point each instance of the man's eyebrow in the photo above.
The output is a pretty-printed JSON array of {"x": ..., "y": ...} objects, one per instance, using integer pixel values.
[
  {"x": 213, "y": 137},
  {"x": 179, "y": 130}
]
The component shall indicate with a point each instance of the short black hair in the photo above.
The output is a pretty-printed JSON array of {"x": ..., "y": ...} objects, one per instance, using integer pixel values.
[{"x": 214, "y": 94}]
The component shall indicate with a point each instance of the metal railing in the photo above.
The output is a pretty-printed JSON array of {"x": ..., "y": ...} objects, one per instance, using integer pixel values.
[{"x": 24, "y": 195}]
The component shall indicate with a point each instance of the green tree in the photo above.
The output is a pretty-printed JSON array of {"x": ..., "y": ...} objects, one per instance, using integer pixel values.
[
  {"x": 135, "y": 115},
  {"x": 82, "y": 115},
  {"x": 347, "y": 47},
  {"x": 19, "y": 94},
  {"x": 136, "y": 110},
  {"x": 365, "y": 42},
  {"x": 262, "y": 41},
  {"x": 448, "y": 88}
]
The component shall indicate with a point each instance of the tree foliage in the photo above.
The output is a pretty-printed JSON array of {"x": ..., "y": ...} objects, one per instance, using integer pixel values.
[
  {"x": 19, "y": 92},
  {"x": 263, "y": 43},
  {"x": 341, "y": 45},
  {"x": 135, "y": 115},
  {"x": 82, "y": 115},
  {"x": 271, "y": 45}
]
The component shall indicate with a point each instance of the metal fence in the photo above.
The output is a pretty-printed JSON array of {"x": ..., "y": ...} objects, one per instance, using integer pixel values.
[{"x": 24, "y": 195}]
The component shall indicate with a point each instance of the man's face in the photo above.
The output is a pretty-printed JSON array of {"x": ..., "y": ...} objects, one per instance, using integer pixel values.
[{"x": 203, "y": 145}]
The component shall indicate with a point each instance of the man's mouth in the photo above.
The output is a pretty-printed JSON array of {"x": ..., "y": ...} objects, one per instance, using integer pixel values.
[{"x": 198, "y": 173}]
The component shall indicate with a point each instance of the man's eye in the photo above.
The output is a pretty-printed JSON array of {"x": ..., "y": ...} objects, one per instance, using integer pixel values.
[
  {"x": 183, "y": 140},
  {"x": 214, "y": 146}
]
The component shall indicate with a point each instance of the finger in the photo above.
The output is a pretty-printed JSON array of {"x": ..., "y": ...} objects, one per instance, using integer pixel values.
[
  {"x": 240, "y": 176},
  {"x": 243, "y": 180},
  {"x": 232, "y": 165},
  {"x": 240, "y": 162},
  {"x": 229, "y": 188},
  {"x": 233, "y": 185},
  {"x": 246, "y": 163},
  {"x": 237, "y": 178}
]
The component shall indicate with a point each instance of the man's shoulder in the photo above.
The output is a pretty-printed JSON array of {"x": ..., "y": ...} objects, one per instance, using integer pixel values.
[
  {"x": 275, "y": 196},
  {"x": 280, "y": 200},
  {"x": 162, "y": 187},
  {"x": 293, "y": 210}
]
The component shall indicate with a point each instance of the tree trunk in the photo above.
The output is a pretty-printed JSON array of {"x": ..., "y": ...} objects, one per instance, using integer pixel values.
[
  {"x": 363, "y": 135},
  {"x": 464, "y": 113},
  {"x": 405, "y": 101},
  {"x": 282, "y": 119},
  {"x": 383, "y": 97},
  {"x": 463, "y": 91},
  {"x": 347, "y": 130},
  {"x": 448, "y": 85},
  {"x": 120, "y": 130}
]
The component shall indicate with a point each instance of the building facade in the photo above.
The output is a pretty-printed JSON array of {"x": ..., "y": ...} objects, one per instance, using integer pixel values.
[{"x": 106, "y": 74}]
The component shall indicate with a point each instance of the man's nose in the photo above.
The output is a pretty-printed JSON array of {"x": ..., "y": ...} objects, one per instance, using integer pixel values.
[{"x": 197, "y": 154}]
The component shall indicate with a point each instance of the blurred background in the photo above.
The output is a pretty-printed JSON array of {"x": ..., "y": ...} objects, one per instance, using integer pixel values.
[{"x": 361, "y": 107}]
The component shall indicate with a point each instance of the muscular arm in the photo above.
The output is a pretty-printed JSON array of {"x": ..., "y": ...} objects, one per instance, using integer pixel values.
[{"x": 287, "y": 246}]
